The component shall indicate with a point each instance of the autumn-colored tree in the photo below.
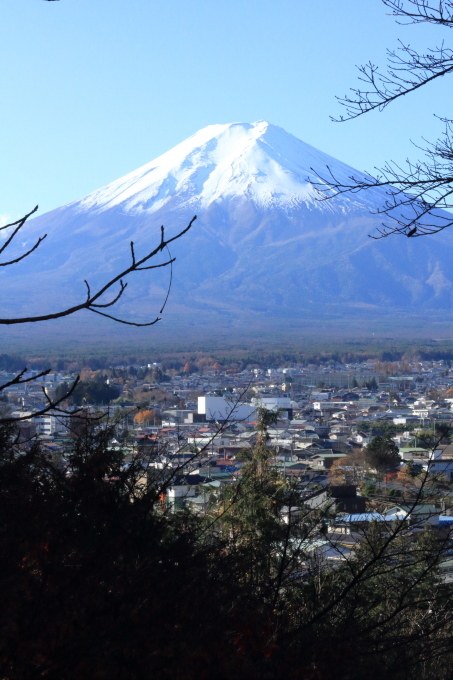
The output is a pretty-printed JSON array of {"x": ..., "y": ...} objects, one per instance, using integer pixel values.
[
  {"x": 347, "y": 470},
  {"x": 205, "y": 361},
  {"x": 144, "y": 417},
  {"x": 88, "y": 375},
  {"x": 337, "y": 472}
]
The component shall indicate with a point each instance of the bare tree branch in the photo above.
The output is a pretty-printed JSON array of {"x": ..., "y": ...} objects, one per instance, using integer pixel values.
[
  {"x": 407, "y": 71},
  {"x": 422, "y": 11},
  {"x": 91, "y": 303},
  {"x": 52, "y": 405},
  {"x": 19, "y": 224},
  {"x": 417, "y": 194},
  {"x": 18, "y": 379}
]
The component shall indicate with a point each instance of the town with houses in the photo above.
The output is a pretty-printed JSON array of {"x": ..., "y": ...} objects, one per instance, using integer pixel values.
[{"x": 193, "y": 426}]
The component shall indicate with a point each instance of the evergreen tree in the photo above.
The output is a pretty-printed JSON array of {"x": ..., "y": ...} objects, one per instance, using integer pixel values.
[
  {"x": 249, "y": 511},
  {"x": 382, "y": 454}
]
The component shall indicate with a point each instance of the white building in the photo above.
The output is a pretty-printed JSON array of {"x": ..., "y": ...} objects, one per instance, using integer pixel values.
[
  {"x": 272, "y": 403},
  {"x": 218, "y": 408},
  {"x": 49, "y": 424},
  {"x": 206, "y": 440}
]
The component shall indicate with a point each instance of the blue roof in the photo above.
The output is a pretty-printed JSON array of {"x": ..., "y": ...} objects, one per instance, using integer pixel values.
[
  {"x": 445, "y": 519},
  {"x": 368, "y": 517}
]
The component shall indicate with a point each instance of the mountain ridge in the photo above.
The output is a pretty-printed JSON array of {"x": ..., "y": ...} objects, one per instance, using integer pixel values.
[{"x": 263, "y": 246}]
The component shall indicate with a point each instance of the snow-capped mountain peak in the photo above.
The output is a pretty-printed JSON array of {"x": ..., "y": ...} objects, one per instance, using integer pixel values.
[
  {"x": 263, "y": 247},
  {"x": 259, "y": 161}
]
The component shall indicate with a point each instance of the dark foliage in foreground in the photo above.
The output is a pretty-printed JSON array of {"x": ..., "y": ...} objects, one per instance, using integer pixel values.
[
  {"x": 98, "y": 581},
  {"x": 97, "y": 586}
]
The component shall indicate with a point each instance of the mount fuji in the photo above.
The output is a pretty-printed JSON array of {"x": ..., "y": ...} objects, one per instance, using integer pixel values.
[{"x": 263, "y": 251}]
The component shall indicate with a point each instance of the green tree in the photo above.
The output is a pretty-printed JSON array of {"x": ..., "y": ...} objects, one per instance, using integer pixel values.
[
  {"x": 95, "y": 392},
  {"x": 372, "y": 384},
  {"x": 368, "y": 489},
  {"x": 413, "y": 469},
  {"x": 382, "y": 454},
  {"x": 249, "y": 510},
  {"x": 61, "y": 390}
]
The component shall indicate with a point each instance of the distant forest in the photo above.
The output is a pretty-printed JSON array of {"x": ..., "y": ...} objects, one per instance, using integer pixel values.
[{"x": 239, "y": 359}]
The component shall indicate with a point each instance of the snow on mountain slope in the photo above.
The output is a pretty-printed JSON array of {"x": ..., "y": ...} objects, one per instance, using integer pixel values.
[
  {"x": 258, "y": 161},
  {"x": 263, "y": 245}
]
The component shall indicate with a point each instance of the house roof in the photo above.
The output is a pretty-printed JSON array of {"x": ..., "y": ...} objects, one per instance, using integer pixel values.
[
  {"x": 414, "y": 449},
  {"x": 189, "y": 480},
  {"x": 367, "y": 517},
  {"x": 290, "y": 465},
  {"x": 447, "y": 564},
  {"x": 447, "y": 450},
  {"x": 421, "y": 509},
  {"x": 329, "y": 455}
]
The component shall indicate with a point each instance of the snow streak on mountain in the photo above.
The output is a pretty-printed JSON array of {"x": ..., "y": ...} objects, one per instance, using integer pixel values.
[{"x": 264, "y": 247}]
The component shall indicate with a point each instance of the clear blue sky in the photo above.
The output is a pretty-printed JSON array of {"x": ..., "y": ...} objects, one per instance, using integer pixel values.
[{"x": 92, "y": 89}]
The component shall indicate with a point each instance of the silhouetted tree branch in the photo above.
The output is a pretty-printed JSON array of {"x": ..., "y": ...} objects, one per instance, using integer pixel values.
[
  {"x": 423, "y": 11},
  {"x": 17, "y": 227},
  {"x": 52, "y": 406},
  {"x": 92, "y": 303},
  {"x": 417, "y": 192}
]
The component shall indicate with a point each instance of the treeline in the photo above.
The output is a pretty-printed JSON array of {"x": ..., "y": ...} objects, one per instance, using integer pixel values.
[
  {"x": 14, "y": 363},
  {"x": 96, "y": 391},
  {"x": 233, "y": 360},
  {"x": 382, "y": 428}
]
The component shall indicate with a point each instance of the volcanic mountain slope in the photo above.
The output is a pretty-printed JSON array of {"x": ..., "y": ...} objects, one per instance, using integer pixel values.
[{"x": 263, "y": 244}]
